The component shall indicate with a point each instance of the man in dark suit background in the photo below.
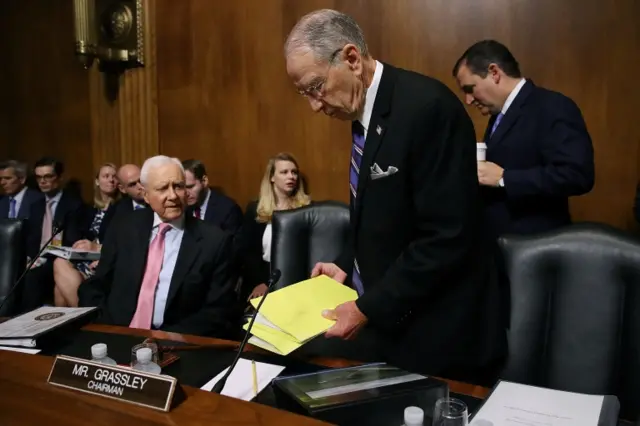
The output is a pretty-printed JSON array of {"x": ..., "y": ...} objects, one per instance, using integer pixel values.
[
  {"x": 163, "y": 269},
  {"x": 427, "y": 288},
  {"x": 208, "y": 204},
  {"x": 58, "y": 208},
  {"x": 18, "y": 196},
  {"x": 132, "y": 193},
  {"x": 539, "y": 152}
]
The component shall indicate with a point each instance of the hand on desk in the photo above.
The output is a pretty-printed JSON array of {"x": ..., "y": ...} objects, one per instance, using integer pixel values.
[
  {"x": 349, "y": 320},
  {"x": 329, "y": 269}
]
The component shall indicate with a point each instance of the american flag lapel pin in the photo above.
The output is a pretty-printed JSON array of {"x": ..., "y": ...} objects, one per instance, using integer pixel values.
[{"x": 378, "y": 130}]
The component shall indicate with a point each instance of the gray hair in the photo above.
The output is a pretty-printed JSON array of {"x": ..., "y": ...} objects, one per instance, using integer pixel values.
[
  {"x": 18, "y": 167},
  {"x": 157, "y": 161},
  {"x": 324, "y": 32}
]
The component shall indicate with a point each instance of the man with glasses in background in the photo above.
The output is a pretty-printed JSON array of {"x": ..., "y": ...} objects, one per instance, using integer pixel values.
[
  {"x": 58, "y": 208},
  {"x": 427, "y": 291},
  {"x": 19, "y": 197}
]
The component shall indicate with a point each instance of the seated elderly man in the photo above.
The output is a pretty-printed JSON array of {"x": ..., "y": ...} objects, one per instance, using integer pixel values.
[{"x": 162, "y": 269}]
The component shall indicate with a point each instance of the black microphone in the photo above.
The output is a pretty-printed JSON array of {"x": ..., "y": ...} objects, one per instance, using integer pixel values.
[
  {"x": 57, "y": 228},
  {"x": 274, "y": 278}
]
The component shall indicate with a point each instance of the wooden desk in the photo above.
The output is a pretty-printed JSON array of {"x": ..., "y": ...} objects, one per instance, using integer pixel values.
[{"x": 27, "y": 399}]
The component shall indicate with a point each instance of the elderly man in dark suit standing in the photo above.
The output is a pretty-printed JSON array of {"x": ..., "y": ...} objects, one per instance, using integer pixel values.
[
  {"x": 162, "y": 269},
  {"x": 539, "y": 152},
  {"x": 427, "y": 290}
]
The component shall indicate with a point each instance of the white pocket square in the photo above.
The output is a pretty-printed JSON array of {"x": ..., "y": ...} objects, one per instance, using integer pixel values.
[{"x": 377, "y": 172}]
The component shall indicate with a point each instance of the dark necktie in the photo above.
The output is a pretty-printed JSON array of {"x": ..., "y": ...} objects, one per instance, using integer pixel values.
[
  {"x": 196, "y": 213},
  {"x": 354, "y": 172},
  {"x": 496, "y": 124},
  {"x": 12, "y": 208}
]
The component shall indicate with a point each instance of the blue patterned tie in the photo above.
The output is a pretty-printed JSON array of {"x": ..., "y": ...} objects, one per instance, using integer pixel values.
[
  {"x": 356, "y": 159},
  {"x": 12, "y": 208},
  {"x": 496, "y": 124}
]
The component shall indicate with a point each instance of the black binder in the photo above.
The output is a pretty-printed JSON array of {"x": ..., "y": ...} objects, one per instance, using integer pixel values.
[{"x": 371, "y": 394}]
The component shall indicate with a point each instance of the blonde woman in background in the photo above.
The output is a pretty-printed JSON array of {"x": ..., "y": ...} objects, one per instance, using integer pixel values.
[
  {"x": 69, "y": 275},
  {"x": 281, "y": 189}
]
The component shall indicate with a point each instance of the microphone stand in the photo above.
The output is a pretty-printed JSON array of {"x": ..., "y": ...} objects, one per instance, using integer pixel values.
[
  {"x": 219, "y": 386},
  {"x": 56, "y": 231}
]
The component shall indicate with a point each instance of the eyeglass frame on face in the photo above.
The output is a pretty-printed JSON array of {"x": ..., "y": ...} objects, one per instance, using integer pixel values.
[
  {"x": 46, "y": 178},
  {"x": 315, "y": 90}
]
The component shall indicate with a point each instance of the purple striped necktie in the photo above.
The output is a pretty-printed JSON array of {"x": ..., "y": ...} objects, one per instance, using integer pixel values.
[
  {"x": 496, "y": 124},
  {"x": 354, "y": 171}
]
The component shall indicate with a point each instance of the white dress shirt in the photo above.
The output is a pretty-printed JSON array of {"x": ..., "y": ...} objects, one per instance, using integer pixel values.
[
  {"x": 18, "y": 199},
  {"x": 507, "y": 104},
  {"x": 266, "y": 243},
  {"x": 137, "y": 204},
  {"x": 172, "y": 242},
  {"x": 512, "y": 96},
  {"x": 205, "y": 203},
  {"x": 370, "y": 99}
]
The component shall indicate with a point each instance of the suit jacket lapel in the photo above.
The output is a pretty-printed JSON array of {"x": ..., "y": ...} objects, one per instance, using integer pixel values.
[
  {"x": 189, "y": 251},
  {"x": 375, "y": 132},
  {"x": 24, "y": 206},
  {"x": 140, "y": 241},
  {"x": 512, "y": 115},
  {"x": 211, "y": 210}
]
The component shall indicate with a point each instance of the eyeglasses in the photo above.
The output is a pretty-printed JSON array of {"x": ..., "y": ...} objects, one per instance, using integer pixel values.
[
  {"x": 316, "y": 89},
  {"x": 47, "y": 177}
]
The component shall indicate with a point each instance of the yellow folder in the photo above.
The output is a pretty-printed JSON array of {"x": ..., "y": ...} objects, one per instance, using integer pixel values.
[{"x": 291, "y": 316}]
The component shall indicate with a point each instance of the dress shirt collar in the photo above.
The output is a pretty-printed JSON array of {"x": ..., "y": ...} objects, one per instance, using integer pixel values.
[
  {"x": 175, "y": 224},
  {"x": 19, "y": 196},
  {"x": 370, "y": 97},
  {"x": 512, "y": 96}
]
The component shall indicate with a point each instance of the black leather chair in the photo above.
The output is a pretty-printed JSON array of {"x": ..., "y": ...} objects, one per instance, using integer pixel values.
[
  {"x": 575, "y": 311},
  {"x": 13, "y": 257},
  {"x": 304, "y": 236}
]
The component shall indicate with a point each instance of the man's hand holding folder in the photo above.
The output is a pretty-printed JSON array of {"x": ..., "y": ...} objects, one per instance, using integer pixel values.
[{"x": 349, "y": 319}]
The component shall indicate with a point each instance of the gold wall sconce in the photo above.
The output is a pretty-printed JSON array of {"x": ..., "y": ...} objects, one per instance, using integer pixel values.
[{"x": 110, "y": 32}]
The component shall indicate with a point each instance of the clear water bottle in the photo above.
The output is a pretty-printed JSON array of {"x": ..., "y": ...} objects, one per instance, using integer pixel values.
[
  {"x": 413, "y": 416},
  {"x": 144, "y": 363},
  {"x": 99, "y": 354}
]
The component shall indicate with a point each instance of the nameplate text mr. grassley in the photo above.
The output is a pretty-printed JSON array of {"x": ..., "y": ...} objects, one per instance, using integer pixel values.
[{"x": 110, "y": 382}]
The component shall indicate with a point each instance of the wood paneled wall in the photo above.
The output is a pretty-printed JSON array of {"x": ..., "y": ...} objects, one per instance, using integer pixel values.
[{"x": 217, "y": 89}]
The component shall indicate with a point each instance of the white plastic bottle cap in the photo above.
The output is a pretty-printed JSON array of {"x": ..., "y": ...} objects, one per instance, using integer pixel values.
[
  {"x": 99, "y": 350},
  {"x": 413, "y": 416},
  {"x": 143, "y": 354}
]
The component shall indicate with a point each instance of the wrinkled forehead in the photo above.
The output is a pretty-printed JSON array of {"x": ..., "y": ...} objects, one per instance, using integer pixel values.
[
  {"x": 165, "y": 173},
  {"x": 303, "y": 66}
]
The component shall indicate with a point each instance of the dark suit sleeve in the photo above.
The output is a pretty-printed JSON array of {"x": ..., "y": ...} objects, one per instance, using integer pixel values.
[
  {"x": 95, "y": 290},
  {"x": 636, "y": 204},
  {"x": 443, "y": 176},
  {"x": 253, "y": 270},
  {"x": 567, "y": 156},
  {"x": 215, "y": 317},
  {"x": 233, "y": 220}
]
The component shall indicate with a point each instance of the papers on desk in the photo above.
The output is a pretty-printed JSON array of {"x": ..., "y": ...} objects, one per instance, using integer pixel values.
[
  {"x": 72, "y": 254},
  {"x": 240, "y": 382},
  {"x": 25, "y": 329},
  {"x": 292, "y": 316},
  {"x": 513, "y": 404},
  {"x": 23, "y": 350}
]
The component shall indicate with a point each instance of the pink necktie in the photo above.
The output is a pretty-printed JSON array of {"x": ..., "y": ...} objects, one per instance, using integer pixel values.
[
  {"x": 47, "y": 223},
  {"x": 144, "y": 311}
]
